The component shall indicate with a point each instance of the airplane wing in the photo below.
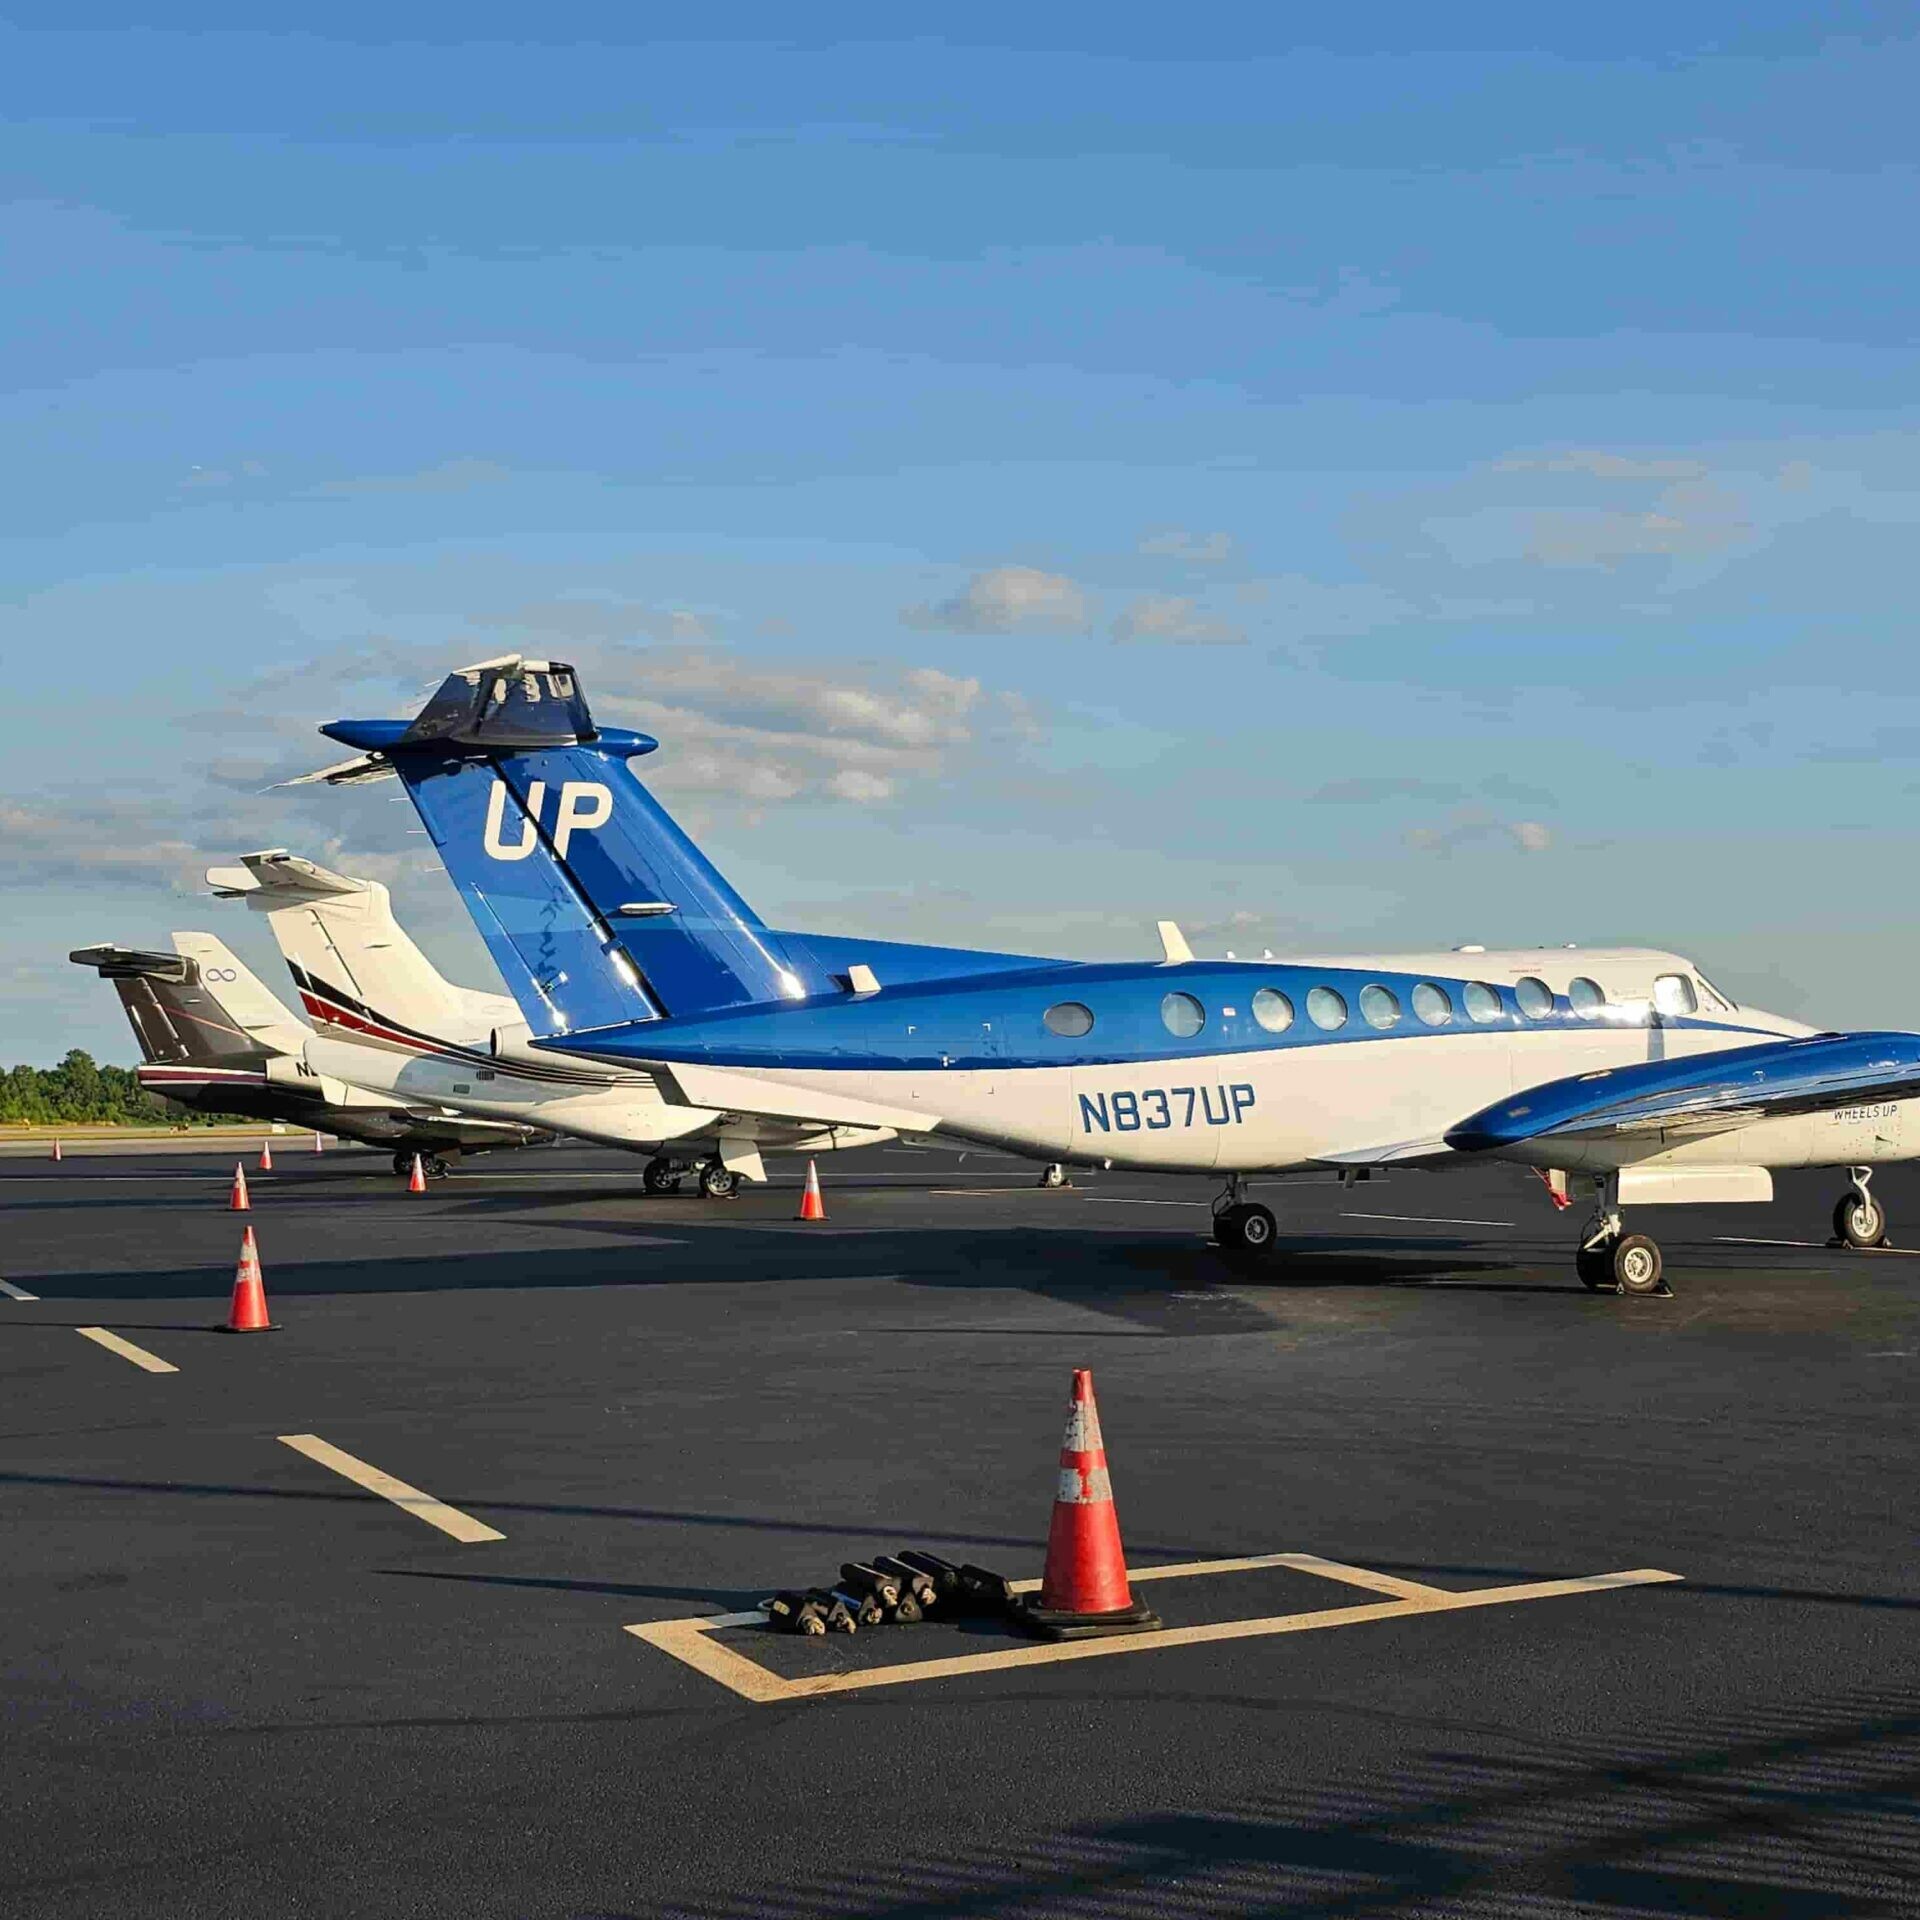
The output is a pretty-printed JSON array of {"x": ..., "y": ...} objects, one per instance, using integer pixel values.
[{"x": 1704, "y": 1094}]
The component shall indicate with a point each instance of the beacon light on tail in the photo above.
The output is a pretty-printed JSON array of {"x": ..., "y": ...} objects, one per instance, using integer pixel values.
[{"x": 623, "y": 944}]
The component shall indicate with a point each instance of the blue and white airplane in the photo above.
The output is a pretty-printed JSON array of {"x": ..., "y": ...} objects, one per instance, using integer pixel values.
[{"x": 620, "y": 941}]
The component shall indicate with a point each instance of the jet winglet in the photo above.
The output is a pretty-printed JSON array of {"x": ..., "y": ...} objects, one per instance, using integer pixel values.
[{"x": 1173, "y": 943}]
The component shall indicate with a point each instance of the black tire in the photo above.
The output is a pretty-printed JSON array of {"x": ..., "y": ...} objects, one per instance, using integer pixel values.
[
  {"x": 1636, "y": 1265},
  {"x": 403, "y": 1164},
  {"x": 1594, "y": 1265},
  {"x": 1226, "y": 1227},
  {"x": 437, "y": 1169},
  {"x": 659, "y": 1177},
  {"x": 1860, "y": 1220},
  {"x": 718, "y": 1182},
  {"x": 1054, "y": 1176},
  {"x": 1257, "y": 1229}
]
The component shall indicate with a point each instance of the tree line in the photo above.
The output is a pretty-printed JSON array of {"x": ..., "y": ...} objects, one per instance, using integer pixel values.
[{"x": 82, "y": 1092}]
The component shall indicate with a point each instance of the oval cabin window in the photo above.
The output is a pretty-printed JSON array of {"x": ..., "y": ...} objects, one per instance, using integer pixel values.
[
  {"x": 1326, "y": 1009},
  {"x": 1273, "y": 1009},
  {"x": 1431, "y": 1007},
  {"x": 1483, "y": 1003},
  {"x": 1379, "y": 1007},
  {"x": 1535, "y": 997},
  {"x": 1182, "y": 1015},
  {"x": 1586, "y": 996},
  {"x": 1069, "y": 1019}
]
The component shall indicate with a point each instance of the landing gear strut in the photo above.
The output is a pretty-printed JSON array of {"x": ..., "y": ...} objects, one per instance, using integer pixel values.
[
  {"x": 1859, "y": 1220},
  {"x": 1611, "y": 1260},
  {"x": 1241, "y": 1225}
]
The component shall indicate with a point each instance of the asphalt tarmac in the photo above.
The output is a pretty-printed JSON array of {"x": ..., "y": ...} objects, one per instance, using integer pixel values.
[{"x": 238, "y": 1681}]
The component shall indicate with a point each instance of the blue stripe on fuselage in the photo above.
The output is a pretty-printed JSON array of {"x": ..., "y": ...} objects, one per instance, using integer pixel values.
[{"x": 997, "y": 1022}]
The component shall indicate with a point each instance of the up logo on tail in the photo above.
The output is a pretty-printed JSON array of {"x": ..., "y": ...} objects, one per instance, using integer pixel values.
[{"x": 583, "y": 803}]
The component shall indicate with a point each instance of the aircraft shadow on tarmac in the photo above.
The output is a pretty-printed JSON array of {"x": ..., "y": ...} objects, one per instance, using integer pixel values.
[
  {"x": 1145, "y": 1280},
  {"x": 1757, "y": 1815}
]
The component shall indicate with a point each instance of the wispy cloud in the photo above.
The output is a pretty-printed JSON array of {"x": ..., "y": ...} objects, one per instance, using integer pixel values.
[
  {"x": 1475, "y": 827},
  {"x": 1006, "y": 600},
  {"x": 1176, "y": 543},
  {"x": 1601, "y": 464},
  {"x": 1159, "y": 616}
]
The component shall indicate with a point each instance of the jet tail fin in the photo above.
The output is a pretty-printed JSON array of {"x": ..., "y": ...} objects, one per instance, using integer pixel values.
[
  {"x": 192, "y": 1007},
  {"x": 597, "y": 908},
  {"x": 237, "y": 991},
  {"x": 350, "y": 957}
]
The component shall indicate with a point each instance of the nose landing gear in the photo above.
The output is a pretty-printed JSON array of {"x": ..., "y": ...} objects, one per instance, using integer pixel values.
[
  {"x": 1859, "y": 1220},
  {"x": 1611, "y": 1260}
]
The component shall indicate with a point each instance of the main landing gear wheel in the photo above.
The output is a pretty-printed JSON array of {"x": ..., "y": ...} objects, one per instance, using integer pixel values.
[
  {"x": 1860, "y": 1220},
  {"x": 718, "y": 1182},
  {"x": 661, "y": 1176},
  {"x": 1594, "y": 1265},
  {"x": 1054, "y": 1176},
  {"x": 1245, "y": 1228},
  {"x": 403, "y": 1164}
]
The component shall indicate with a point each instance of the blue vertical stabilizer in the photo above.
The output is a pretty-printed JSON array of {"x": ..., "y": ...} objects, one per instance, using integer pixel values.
[{"x": 597, "y": 909}]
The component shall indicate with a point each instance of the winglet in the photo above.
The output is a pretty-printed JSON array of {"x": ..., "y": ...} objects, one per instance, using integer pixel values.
[{"x": 1173, "y": 943}]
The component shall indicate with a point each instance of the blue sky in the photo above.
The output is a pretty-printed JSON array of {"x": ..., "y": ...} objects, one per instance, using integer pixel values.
[{"x": 1450, "y": 474}]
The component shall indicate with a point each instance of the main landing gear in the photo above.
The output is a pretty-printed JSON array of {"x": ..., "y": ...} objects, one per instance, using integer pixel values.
[
  {"x": 1241, "y": 1225},
  {"x": 1611, "y": 1260},
  {"x": 1053, "y": 1175},
  {"x": 431, "y": 1164},
  {"x": 716, "y": 1181},
  {"x": 1859, "y": 1220}
]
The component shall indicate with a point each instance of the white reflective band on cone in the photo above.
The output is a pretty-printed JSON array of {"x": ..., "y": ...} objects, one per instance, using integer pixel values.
[
  {"x": 1091, "y": 1488},
  {"x": 1083, "y": 1429}
]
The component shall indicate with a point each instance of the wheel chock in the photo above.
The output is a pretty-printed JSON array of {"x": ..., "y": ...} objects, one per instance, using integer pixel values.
[
  {"x": 943, "y": 1573},
  {"x": 791, "y": 1612},
  {"x": 861, "y": 1578},
  {"x": 912, "y": 1580}
]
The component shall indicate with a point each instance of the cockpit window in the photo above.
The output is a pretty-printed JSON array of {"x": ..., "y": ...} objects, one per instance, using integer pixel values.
[
  {"x": 1726, "y": 1000},
  {"x": 1673, "y": 993}
]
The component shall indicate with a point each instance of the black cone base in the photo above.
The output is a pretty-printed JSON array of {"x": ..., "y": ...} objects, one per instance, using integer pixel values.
[{"x": 1051, "y": 1624}]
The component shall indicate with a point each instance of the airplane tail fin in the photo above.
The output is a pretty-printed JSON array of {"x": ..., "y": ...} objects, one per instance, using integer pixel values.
[
  {"x": 597, "y": 908},
  {"x": 354, "y": 964},
  {"x": 236, "y": 990},
  {"x": 191, "y": 1008}
]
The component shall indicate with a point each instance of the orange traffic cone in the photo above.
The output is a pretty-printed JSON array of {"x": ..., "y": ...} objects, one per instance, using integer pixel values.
[
  {"x": 417, "y": 1179},
  {"x": 319, "y": 1145},
  {"x": 237, "y": 1201},
  {"x": 266, "y": 1156},
  {"x": 812, "y": 1207},
  {"x": 1084, "y": 1592},
  {"x": 248, "y": 1313},
  {"x": 56, "y": 1151}
]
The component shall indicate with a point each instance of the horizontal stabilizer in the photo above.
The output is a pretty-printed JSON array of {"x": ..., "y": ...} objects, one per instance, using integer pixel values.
[{"x": 129, "y": 963}]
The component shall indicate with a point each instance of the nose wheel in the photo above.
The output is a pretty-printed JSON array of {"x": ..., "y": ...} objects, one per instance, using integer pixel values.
[
  {"x": 1609, "y": 1259},
  {"x": 1859, "y": 1220},
  {"x": 661, "y": 1176}
]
